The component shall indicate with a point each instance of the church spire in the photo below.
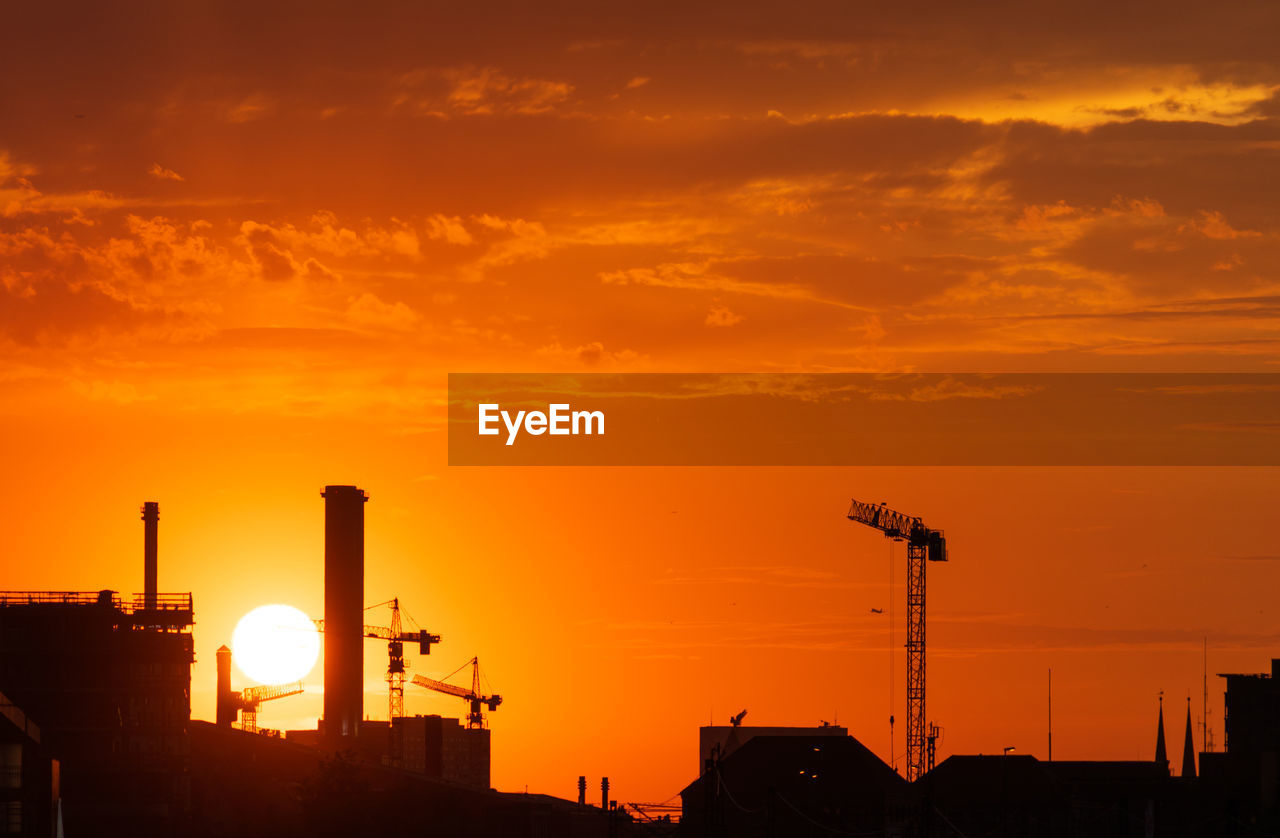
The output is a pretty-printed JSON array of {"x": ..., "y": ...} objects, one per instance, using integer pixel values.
[
  {"x": 1189, "y": 748},
  {"x": 1162, "y": 756}
]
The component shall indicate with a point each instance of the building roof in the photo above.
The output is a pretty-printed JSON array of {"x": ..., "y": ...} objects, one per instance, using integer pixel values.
[
  {"x": 971, "y": 778},
  {"x": 804, "y": 766},
  {"x": 1111, "y": 771}
]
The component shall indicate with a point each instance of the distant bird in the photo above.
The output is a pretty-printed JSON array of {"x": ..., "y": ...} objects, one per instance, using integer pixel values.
[{"x": 877, "y": 610}]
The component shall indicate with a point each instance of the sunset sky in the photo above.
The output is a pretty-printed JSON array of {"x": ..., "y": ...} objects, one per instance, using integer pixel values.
[{"x": 241, "y": 248}]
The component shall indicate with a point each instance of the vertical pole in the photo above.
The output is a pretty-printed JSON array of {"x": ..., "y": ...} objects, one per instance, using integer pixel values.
[
  {"x": 893, "y": 757},
  {"x": 150, "y": 560},
  {"x": 915, "y": 660},
  {"x": 1050, "y": 714}
]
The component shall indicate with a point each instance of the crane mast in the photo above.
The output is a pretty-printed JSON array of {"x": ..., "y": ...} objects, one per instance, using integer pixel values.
[
  {"x": 396, "y": 637},
  {"x": 923, "y": 544}
]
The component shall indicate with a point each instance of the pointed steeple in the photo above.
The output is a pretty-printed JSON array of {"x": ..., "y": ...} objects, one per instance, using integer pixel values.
[
  {"x": 1188, "y": 748},
  {"x": 1162, "y": 756}
]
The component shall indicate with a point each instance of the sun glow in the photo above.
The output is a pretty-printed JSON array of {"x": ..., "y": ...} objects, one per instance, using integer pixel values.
[{"x": 275, "y": 644}]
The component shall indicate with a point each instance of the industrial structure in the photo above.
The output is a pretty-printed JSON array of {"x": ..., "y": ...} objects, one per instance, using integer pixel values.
[
  {"x": 241, "y": 706},
  {"x": 922, "y": 543},
  {"x": 115, "y": 714},
  {"x": 444, "y": 749},
  {"x": 395, "y": 637},
  {"x": 477, "y": 699},
  {"x": 96, "y": 736},
  {"x": 343, "y": 612}
]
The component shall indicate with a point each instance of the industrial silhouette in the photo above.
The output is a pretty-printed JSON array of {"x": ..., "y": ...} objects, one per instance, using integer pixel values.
[
  {"x": 103, "y": 743},
  {"x": 922, "y": 543},
  {"x": 343, "y": 613}
]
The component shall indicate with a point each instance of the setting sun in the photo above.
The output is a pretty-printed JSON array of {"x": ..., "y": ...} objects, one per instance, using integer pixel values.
[{"x": 275, "y": 644}]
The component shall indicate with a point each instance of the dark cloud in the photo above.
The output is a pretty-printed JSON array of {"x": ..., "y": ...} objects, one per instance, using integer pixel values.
[{"x": 54, "y": 312}]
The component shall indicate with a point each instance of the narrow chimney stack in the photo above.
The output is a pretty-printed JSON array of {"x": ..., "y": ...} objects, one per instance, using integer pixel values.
[
  {"x": 226, "y": 709},
  {"x": 150, "y": 561},
  {"x": 343, "y": 612}
]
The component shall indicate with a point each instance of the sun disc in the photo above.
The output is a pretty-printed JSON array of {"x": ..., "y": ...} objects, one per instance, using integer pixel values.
[{"x": 275, "y": 644}]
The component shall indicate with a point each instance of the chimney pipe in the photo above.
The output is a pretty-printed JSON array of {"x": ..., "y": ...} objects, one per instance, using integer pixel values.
[
  {"x": 343, "y": 612},
  {"x": 604, "y": 793},
  {"x": 150, "y": 569},
  {"x": 582, "y": 790},
  {"x": 226, "y": 713}
]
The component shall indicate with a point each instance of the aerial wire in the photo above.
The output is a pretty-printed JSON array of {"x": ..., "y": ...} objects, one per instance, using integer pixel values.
[{"x": 892, "y": 756}]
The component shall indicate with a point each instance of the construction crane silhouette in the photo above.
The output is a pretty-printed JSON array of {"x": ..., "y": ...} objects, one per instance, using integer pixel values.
[
  {"x": 248, "y": 699},
  {"x": 475, "y": 719},
  {"x": 396, "y": 637},
  {"x": 922, "y": 543}
]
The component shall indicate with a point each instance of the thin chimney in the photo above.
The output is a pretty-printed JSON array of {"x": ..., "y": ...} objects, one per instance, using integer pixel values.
[{"x": 150, "y": 570}]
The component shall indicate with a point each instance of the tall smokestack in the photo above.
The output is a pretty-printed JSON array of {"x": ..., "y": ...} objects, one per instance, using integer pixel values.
[
  {"x": 343, "y": 611},
  {"x": 226, "y": 714},
  {"x": 150, "y": 562}
]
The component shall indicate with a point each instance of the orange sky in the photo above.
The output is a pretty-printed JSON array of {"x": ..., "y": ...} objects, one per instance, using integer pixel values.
[{"x": 240, "y": 248}]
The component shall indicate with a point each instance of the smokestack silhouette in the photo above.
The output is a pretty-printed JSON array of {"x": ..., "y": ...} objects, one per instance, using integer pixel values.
[
  {"x": 226, "y": 714},
  {"x": 150, "y": 560},
  {"x": 343, "y": 611}
]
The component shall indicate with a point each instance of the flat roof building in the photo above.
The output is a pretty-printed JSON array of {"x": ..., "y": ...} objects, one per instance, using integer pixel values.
[
  {"x": 445, "y": 750},
  {"x": 108, "y": 682}
]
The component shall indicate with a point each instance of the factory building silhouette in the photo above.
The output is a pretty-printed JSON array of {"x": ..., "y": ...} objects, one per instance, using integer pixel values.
[
  {"x": 96, "y": 735},
  {"x": 96, "y": 738},
  {"x": 107, "y": 681}
]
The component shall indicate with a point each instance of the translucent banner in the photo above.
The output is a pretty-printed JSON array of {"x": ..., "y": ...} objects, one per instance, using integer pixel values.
[{"x": 839, "y": 419}]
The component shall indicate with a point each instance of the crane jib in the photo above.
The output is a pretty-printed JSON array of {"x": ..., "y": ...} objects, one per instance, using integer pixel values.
[{"x": 900, "y": 527}]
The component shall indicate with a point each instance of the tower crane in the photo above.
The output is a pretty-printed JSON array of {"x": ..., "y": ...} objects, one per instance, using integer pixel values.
[
  {"x": 242, "y": 705},
  {"x": 248, "y": 699},
  {"x": 922, "y": 543},
  {"x": 396, "y": 637},
  {"x": 475, "y": 719}
]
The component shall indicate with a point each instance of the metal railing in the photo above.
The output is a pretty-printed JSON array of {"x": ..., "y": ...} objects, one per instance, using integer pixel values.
[
  {"x": 138, "y": 602},
  {"x": 161, "y": 602},
  {"x": 59, "y": 598}
]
